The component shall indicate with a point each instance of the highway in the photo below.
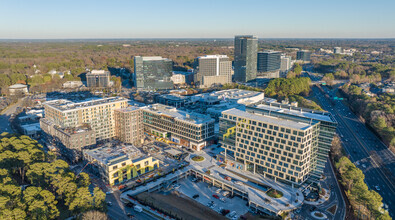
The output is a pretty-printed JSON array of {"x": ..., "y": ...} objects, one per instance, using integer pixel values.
[{"x": 366, "y": 150}]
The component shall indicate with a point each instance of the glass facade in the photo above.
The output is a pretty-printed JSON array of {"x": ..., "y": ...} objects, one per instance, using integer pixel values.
[
  {"x": 153, "y": 73},
  {"x": 245, "y": 61}
]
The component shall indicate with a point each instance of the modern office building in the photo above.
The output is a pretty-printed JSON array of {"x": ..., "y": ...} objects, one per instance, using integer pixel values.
[
  {"x": 327, "y": 129},
  {"x": 191, "y": 130},
  {"x": 118, "y": 164},
  {"x": 129, "y": 125},
  {"x": 212, "y": 69},
  {"x": 98, "y": 78},
  {"x": 303, "y": 55},
  {"x": 279, "y": 141},
  {"x": 286, "y": 63},
  {"x": 269, "y": 61},
  {"x": 98, "y": 113},
  {"x": 152, "y": 73},
  {"x": 337, "y": 50},
  {"x": 245, "y": 58},
  {"x": 276, "y": 148}
]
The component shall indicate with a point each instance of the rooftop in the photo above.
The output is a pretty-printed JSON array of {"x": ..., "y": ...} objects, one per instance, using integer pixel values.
[
  {"x": 64, "y": 104},
  {"x": 172, "y": 112},
  {"x": 128, "y": 109},
  {"x": 296, "y": 111},
  {"x": 213, "y": 56},
  {"x": 110, "y": 155},
  {"x": 269, "y": 119},
  {"x": 98, "y": 72},
  {"x": 269, "y": 51},
  {"x": 18, "y": 86},
  {"x": 153, "y": 58}
]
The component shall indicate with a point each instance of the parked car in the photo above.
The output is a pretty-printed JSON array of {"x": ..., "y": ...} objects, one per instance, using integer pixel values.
[
  {"x": 225, "y": 212},
  {"x": 225, "y": 193},
  {"x": 216, "y": 196},
  {"x": 232, "y": 214},
  {"x": 195, "y": 196},
  {"x": 218, "y": 191},
  {"x": 130, "y": 216}
]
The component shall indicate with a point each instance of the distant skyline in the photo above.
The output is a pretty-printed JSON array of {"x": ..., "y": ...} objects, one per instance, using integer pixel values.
[{"x": 87, "y": 19}]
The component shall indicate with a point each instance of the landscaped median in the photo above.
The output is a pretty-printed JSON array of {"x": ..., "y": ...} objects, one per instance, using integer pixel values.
[
  {"x": 274, "y": 193},
  {"x": 197, "y": 158}
]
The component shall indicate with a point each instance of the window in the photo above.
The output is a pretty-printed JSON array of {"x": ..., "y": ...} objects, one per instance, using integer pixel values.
[
  {"x": 114, "y": 167},
  {"x": 146, "y": 163},
  {"x": 124, "y": 164}
]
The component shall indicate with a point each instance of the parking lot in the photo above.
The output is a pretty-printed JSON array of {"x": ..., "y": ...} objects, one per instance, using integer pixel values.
[{"x": 206, "y": 192}]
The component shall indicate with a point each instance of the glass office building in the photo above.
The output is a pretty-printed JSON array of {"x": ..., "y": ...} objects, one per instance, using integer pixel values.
[
  {"x": 245, "y": 58},
  {"x": 152, "y": 73}
]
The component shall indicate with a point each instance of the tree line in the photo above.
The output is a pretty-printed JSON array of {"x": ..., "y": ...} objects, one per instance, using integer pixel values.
[
  {"x": 379, "y": 112},
  {"x": 36, "y": 185}
]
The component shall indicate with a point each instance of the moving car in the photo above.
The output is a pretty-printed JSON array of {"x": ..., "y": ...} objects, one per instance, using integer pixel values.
[{"x": 215, "y": 196}]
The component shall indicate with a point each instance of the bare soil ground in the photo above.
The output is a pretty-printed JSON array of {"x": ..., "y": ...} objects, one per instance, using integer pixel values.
[{"x": 180, "y": 207}]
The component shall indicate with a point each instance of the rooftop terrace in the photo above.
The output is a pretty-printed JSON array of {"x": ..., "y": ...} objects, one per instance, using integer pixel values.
[
  {"x": 296, "y": 111},
  {"x": 269, "y": 119},
  {"x": 64, "y": 104},
  {"x": 192, "y": 117},
  {"x": 112, "y": 155}
]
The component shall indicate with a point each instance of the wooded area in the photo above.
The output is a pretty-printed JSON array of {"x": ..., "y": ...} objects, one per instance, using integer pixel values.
[{"x": 49, "y": 188}]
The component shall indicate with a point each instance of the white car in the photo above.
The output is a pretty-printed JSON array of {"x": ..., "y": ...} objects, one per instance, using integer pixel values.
[
  {"x": 235, "y": 217},
  {"x": 222, "y": 199},
  {"x": 232, "y": 214},
  {"x": 218, "y": 191},
  {"x": 377, "y": 188}
]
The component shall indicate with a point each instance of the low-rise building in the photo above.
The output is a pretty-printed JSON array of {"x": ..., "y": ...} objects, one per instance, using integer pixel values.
[
  {"x": 72, "y": 84},
  {"x": 18, "y": 89},
  {"x": 73, "y": 139},
  {"x": 129, "y": 125},
  {"x": 191, "y": 130},
  {"x": 31, "y": 130},
  {"x": 118, "y": 164}
]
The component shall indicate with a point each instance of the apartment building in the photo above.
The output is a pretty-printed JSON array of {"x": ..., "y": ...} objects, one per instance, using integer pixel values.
[
  {"x": 129, "y": 125},
  {"x": 74, "y": 139},
  {"x": 117, "y": 164},
  {"x": 191, "y": 130},
  {"x": 98, "y": 113},
  {"x": 277, "y": 148}
]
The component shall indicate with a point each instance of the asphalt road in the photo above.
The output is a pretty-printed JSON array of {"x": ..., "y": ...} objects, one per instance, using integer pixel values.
[
  {"x": 118, "y": 211},
  {"x": 6, "y": 115},
  {"x": 334, "y": 199},
  {"x": 365, "y": 149}
]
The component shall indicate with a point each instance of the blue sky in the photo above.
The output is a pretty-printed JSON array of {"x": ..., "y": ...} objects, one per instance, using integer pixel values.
[{"x": 47, "y": 19}]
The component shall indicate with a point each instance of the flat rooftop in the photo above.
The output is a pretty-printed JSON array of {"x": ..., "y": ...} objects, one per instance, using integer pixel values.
[
  {"x": 235, "y": 94},
  {"x": 175, "y": 97},
  {"x": 296, "y": 111},
  {"x": 269, "y": 119},
  {"x": 128, "y": 109},
  {"x": 64, "y": 104},
  {"x": 154, "y": 58},
  {"x": 98, "y": 72},
  {"x": 110, "y": 155},
  {"x": 191, "y": 117}
]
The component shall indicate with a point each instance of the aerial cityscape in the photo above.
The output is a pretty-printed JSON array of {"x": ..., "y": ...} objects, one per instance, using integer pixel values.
[{"x": 176, "y": 110}]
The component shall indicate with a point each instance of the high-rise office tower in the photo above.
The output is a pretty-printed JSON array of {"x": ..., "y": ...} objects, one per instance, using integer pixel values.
[
  {"x": 98, "y": 78},
  {"x": 303, "y": 55},
  {"x": 213, "y": 69},
  {"x": 278, "y": 141},
  {"x": 245, "y": 62},
  {"x": 152, "y": 73},
  {"x": 269, "y": 61}
]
